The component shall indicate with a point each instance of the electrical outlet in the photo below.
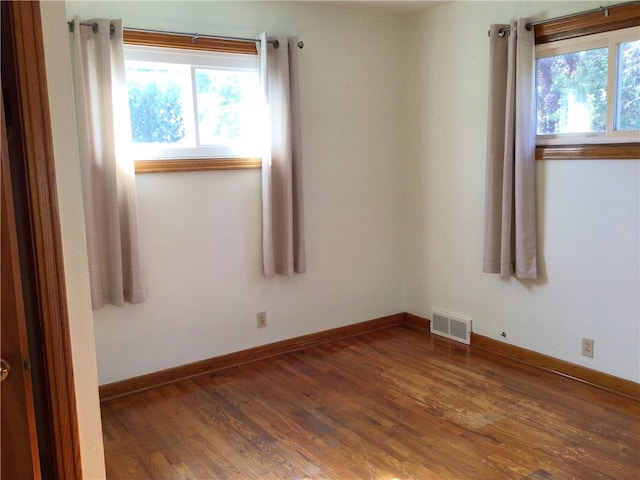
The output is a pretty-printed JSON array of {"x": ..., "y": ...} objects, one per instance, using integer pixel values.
[
  {"x": 587, "y": 347},
  {"x": 261, "y": 319}
]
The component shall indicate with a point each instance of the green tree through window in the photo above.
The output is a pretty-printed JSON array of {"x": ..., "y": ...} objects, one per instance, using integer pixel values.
[
  {"x": 194, "y": 104},
  {"x": 221, "y": 95},
  {"x": 572, "y": 87},
  {"x": 156, "y": 112},
  {"x": 629, "y": 86}
]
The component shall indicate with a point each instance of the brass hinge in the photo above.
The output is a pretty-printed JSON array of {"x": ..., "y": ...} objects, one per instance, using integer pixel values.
[{"x": 26, "y": 365}]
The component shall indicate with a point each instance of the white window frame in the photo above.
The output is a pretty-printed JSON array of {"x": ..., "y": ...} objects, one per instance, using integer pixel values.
[
  {"x": 195, "y": 59},
  {"x": 609, "y": 40}
]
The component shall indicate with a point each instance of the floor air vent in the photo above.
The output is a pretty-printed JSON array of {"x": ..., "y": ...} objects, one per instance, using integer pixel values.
[{"x": 451, "y": 326}]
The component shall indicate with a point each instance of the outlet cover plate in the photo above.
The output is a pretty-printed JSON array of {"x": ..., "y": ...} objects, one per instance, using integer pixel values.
[{"x": 261, "y": 319}]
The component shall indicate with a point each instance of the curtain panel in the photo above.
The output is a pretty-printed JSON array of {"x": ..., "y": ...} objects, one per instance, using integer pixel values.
[
  {"x": 108, "y": 178},
  {"x": 510, "y": 197},
  {"x": 282, "y": 193}
]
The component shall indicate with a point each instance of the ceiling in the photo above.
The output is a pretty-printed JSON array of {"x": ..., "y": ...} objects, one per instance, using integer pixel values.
[{"x": 399, "y": 7}]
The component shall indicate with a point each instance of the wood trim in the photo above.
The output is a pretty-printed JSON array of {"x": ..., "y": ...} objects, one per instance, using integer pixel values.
[
  {"x": 588, "y": 24},
  {"x": 602, "y": 380},
  {"x": 231, "y": 360},
  {"x": 167, "y": 40},
  {"x": 20, "y": 457},
  {"x": 196, "y": 164},
  {"x": 33, "y": 120},
  {"x": 494, "y": 347},
  {"x": 545, "y": 362},
  {"x": 416, "y": 322},
  {"x": 613, "y": 151}
]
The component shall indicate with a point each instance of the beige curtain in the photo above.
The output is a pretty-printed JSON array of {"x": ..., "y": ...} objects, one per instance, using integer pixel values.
[
  {"x": 282, "y": 199},
  {"x": 108, "y": 178},
  {"x": 510, "y": 199}
]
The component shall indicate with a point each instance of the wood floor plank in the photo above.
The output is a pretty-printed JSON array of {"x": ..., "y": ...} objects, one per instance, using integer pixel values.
[{"x": 391, "y": 404}]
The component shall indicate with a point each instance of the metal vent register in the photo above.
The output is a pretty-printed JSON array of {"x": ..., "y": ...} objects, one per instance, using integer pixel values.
[{"x": 454, "y": 327}]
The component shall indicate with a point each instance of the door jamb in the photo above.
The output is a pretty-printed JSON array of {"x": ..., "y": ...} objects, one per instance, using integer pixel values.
[{"x": 50, "y": 302}]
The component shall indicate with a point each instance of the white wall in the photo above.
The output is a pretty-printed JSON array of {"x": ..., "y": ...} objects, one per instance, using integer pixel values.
[
  {"x": 588, "y": 210},
  {"x": 58, "y": 66},
  {"x": 201, "y": 232}
]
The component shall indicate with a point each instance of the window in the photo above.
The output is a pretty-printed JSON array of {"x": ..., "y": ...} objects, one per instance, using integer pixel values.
[
  {"x": 193, "y": 106},
  {"x": 613, "y": 124},
  {"x": 588, "y": 89}
]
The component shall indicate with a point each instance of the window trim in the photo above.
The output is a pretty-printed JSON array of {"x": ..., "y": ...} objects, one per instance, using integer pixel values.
[
  {"x": 579, "y": 26},
  {"x": 197, "y": 164},
  {"x": 187, "y": 42},
  {"x": 608, "y": 151}
]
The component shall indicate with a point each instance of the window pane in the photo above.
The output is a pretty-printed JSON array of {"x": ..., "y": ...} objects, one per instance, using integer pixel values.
[
  {"x": 571, "y": 92},
  {"x": 628, "y": 105},
  {"x": 226, "y": 103},
  {"x": 156, "y": 93}
]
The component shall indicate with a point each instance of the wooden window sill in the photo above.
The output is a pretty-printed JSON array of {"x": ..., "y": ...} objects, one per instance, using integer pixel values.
[
  {"x": 614, "y": 151},
  {"x": 196, "y": 164}
]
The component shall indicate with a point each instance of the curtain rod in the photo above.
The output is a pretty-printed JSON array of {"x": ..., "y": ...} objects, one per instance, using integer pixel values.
[
  {"x": 606, "y": 9},
  {"x": 194, "y": 36}
]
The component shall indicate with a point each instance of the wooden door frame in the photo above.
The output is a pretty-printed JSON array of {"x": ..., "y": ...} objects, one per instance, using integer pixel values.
[
  {"x": 20, "y": 455},
  {"x": 26, "y": 68}
]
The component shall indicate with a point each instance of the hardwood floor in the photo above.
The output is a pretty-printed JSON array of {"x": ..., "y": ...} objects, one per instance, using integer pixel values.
[{"x": 393, "y": 404}]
